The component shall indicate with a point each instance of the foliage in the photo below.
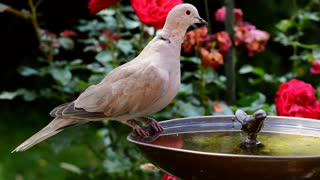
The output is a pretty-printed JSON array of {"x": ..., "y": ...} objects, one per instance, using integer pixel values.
[
  {"x": 70, "y": 61},
  {"x": 293, "y": 32}
]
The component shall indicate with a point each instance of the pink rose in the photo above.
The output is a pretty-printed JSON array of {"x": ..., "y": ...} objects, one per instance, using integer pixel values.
[
  {"x": 220, "y": 14},
  {"x": 194, "y": 38},
  {"x": 224, "y": 41},
  {"x": 315, "y": 69},
  {"x": 256, "y": 41},
  {"x": 242, "y": 32}
]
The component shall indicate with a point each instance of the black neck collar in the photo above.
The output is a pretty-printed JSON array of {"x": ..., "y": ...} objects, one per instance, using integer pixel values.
[{"x": 164, "y": 39}]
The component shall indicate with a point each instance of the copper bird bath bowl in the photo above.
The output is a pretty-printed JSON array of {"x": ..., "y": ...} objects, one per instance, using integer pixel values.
[{"x": 208, "y": 147}]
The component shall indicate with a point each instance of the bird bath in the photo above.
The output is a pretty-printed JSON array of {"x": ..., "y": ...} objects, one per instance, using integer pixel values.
[{"x": 208, "y": 147}]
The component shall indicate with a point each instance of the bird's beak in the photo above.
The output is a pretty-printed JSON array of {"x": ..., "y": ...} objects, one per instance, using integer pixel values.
[{"x": 201, "y": 21}]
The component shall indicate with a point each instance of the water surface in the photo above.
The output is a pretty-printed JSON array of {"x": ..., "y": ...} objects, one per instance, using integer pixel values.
[{"x": 275, "y": 144}]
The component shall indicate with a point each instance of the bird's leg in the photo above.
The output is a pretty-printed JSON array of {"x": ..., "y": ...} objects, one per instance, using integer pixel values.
[
  {"x": 152, "y": 122},
  {"x": 137, "y": 128}
]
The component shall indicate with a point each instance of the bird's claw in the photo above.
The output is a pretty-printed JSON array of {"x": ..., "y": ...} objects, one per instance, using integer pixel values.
[
  {"x": 157, "y": 127},
  {"x": 141, "y": 132}
]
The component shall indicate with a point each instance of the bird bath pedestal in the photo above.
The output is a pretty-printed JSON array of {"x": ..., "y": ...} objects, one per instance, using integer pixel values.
[{"x": 201, "y": 148}]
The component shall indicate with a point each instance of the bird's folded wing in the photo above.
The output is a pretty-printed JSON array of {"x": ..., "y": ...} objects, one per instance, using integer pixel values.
[
  {"x": 128, "y": 90},
  {"x": 241, "y": 115},
  {"x": 69, "y": 110}
]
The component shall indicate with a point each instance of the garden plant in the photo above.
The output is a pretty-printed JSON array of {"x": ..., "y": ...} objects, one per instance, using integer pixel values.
[{"x": 252, "y": 55}]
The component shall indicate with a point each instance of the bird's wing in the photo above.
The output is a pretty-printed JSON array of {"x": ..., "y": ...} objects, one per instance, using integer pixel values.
[
  {"x": 69, "y": 110},
  {"x": 127, "y": 90},
  {"x": 241, "y": 116}
]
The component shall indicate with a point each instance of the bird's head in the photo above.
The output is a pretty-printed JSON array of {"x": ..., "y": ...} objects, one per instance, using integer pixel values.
[
  {"x": 260, "y": 115},
  {"x": 184, "y": 15}
]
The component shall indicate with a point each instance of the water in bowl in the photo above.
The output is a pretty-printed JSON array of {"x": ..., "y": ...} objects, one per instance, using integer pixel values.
[{"x": 275, "y": 144}]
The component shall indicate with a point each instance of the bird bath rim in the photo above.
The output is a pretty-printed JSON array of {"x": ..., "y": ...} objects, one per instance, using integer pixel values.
[{"x": 292, "y": 119}]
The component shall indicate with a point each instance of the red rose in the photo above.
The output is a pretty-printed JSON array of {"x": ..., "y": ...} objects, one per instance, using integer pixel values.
[
  {"x": 98, "y": 5},
  {"x": 297, "y": 98},
  {"x": 154, "y": 12},
  {"x": 168, "y": 177},
  {"x": 315, "y": 69},
  {"x": 68, "y": 33},
  {"x": 110, "y": 35}
]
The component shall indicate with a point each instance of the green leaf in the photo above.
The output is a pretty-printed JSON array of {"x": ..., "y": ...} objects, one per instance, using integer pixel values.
[
  {"x": 46, "y": 93},
  {"x": 284, "y": 25},
  {"x": 316, "y": 53},
  {"x": 70, "y": 167},
  {"x": 209, "y": 75},
  {"x": 268, "y": 78},
  {"x": 220, "y": 82},
  {"x": 110, "y": 22},
  {"x": 255, "y": 81},
  {"x": 283, "y": 38},
  {"x": 127, "y": 9},
  {"x": 27, "y": 71},
  {"x": 185, "y": 89},
  {"x": 95, "y": 67},
  {"x": 250, "y": 69},
  {"x": 254, "y": 100},
  {"x": 107, "y": 12},
  {"x": 131, "y": 24},
  {"x": 186, "y": 75},
  {"x": 245, "y": 69},
  {"x": 66, "y": 43},
  {"x": 26, "y": 94},
  {"x": 75, "y": 85},
  {"x": 63, "y": 76},
  {"x": 104, "y": 56},
  {"x": 92, "y": 26},
  {"x": 3, "y": 7},
  {"x": 95, "y": 78},
  {"x": 258, "y": 71},
  {"x": 8, "y": 95},
  {"x": 195, "y": 60},
  {"x": 125, "y": 46},
  {"x": 261, "y": 99},
  {"x": 188, "y": 110},
  {"x": 76, "y": 62},
  {"x": 309, "y": 16}
]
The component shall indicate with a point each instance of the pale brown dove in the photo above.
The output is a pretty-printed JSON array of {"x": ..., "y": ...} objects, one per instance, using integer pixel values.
[{"x": 139, "y": 88}]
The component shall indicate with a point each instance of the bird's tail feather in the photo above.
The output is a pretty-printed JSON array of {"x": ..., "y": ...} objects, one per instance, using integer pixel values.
[{"x": 54, "y": 127}]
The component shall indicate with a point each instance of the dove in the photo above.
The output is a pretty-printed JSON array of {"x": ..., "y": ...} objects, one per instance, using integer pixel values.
[{"x": 134, "y": 90}]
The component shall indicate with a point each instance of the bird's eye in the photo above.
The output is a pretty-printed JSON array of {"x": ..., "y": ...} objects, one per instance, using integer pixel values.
[{"x": 188, "y": 12}]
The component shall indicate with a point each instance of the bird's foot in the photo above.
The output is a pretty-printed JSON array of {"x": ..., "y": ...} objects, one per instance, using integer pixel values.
[
  {"x": 137, "y": 128},
  {"x": 141, "y": 132},
  {"x": 156, "y": 126},
  {"x": 153, "y": 123}
]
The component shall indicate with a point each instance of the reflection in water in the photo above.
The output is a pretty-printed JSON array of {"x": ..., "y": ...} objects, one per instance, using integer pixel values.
[
  {"x": 170, "y": 141},
  {"x": 276, "y": 144}
]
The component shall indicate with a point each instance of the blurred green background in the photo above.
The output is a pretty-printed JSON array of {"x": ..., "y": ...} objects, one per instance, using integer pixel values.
[{"x": 34, "y": 81}]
